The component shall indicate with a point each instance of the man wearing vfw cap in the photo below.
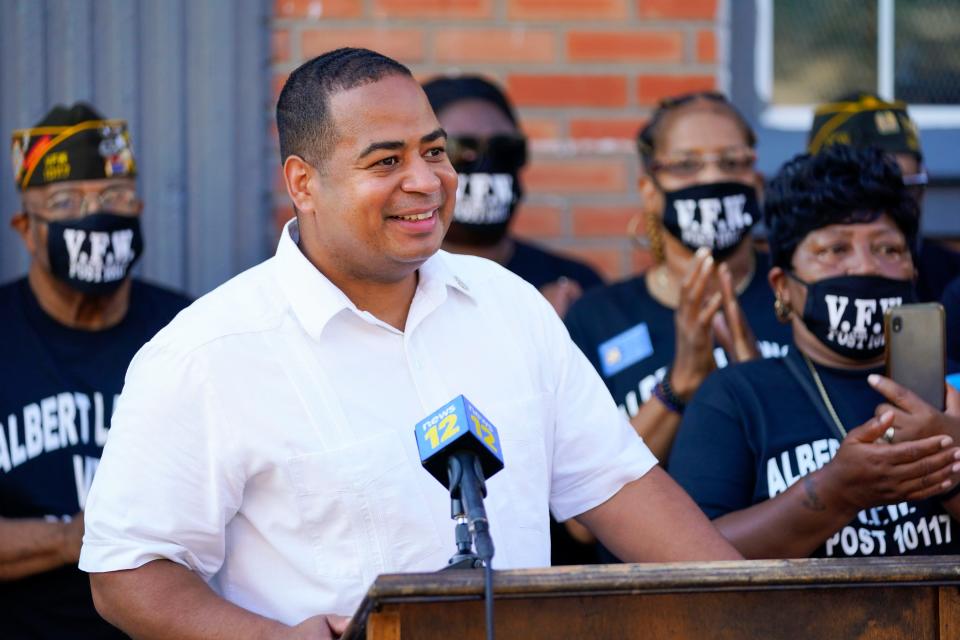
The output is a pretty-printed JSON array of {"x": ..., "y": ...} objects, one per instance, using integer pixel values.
[
  {"x": 70, "y": 328},
  {"x": 862, "y": 120}
]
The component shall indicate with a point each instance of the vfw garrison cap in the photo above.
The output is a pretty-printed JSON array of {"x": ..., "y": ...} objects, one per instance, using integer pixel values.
[
  {"x": 71, "y": 143},
  {"x": 864, "y": 120}
]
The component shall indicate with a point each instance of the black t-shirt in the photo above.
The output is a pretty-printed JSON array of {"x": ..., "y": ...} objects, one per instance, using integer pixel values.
[
  {"x": 951, "y": 305},
  {"x": 630, "y": 338},
  {"x": 57, "y": 396},
  {"x": 752, "y": 430},
  {"x": 937, "y": 266},
  {"x": 539, "y": 267}
]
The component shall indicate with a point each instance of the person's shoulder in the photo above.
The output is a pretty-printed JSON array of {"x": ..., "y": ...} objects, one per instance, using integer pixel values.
[
  {"x": 624, "y": 294},
  {"x": 562, "y": 265},
  {"x": 755, "y": 376},
  {"x": 145, "y": 292},
  {"x": 248, "y": 303},
  {"x": 952, "y": 290},
  {"x": 10, "y": 291}
]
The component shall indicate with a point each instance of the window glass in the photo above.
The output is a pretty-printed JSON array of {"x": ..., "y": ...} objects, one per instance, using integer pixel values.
[
  {"x": 927, "y": 51},
  {"x": 823, "y": 49}
]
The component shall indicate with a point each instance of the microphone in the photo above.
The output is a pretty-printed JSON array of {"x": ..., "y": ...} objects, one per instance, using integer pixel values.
[{"x": 461, "y": 448}]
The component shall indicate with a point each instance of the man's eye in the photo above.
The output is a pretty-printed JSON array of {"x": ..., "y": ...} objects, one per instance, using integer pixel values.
[
  {"x": 387, "y": 162},
  {"x": 436, "y": 152},
  {"x": 57, "y": 204},
  {"x": 734, "y": 164}
]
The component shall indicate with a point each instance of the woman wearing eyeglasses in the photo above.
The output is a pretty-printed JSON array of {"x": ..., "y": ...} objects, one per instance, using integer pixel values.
[
  {"x": 655, "y": 337},
  {"x": 817, "y": 453}
]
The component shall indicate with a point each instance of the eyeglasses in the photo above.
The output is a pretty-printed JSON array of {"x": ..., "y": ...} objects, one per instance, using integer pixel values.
[
  {"x": 508, "y": 151},
  {"x": 731, "y": 162},
  {"x": 67, "y": 204}
]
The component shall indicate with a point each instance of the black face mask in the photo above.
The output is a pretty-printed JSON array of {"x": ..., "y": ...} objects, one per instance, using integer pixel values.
[
  {"x": 488, "y": 190},
  {"x": 94, "y": 254},
  {"x": 846, "y": 313},
  {"x": 717, "y": 215}
]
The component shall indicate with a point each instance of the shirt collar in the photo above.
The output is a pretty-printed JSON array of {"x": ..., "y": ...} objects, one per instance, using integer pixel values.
[{"x": 315, "y": 300}]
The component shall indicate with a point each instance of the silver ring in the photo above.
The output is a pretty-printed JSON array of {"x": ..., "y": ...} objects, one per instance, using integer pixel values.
[{"x": 888, "y": 435}]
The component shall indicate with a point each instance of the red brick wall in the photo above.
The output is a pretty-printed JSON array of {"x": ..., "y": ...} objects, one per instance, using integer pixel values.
[{"x": 583, "y": 73}]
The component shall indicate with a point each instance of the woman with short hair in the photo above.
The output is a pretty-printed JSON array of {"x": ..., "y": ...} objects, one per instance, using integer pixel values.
[{"x": 817, "y": 453}]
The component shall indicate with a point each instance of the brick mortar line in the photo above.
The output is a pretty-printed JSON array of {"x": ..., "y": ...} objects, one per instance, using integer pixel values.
[{"x": 612, "y": 25}]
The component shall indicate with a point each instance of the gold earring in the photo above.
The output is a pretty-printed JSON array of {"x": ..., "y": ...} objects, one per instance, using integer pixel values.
[
  {"x": 640, "y": 241},
  {"x": 782, "y": 310}
]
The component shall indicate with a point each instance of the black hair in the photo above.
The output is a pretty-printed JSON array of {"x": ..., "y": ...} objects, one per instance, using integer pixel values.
[
  {"x": 651, "y": 135},
  {"x": 444, "y": 91},
  {"x": 839, "y": 185},
  {"x": 304, "y": 122}
]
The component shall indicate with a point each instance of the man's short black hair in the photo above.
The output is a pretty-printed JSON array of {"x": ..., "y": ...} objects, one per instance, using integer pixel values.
[
  {"x": 303, "y": 110},
  {"x": 839, "y": 185}
]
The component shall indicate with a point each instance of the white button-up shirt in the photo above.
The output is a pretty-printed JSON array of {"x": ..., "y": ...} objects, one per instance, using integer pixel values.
[{"x": 265, "y": 438}]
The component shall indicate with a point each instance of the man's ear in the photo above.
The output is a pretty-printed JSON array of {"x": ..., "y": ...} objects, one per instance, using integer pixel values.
[
  {"x": 297, "y": 176},
  {"x": 20, "y": 222}
]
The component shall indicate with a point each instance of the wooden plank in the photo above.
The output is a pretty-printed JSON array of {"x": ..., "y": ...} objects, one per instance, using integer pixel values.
[
  {"x": 949, "y": 612},
  {"x": 384, "y": 625},
  {"x": 856, "y": 613},
  {"x": 877, "y": 594}
]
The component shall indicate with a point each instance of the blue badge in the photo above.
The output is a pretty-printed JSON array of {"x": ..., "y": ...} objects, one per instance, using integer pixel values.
[
  {"x": 625, "y": 349},
  {"x": 954, "y": 380}
]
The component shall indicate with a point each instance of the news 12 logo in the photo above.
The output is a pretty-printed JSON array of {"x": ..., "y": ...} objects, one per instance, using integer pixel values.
[{"x": 458, "y": 425}]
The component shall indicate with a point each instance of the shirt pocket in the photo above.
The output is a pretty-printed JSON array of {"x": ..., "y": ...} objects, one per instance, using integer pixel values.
[
  {"x": 518, "y": 496},
  {"x": 363, "y": 509}
]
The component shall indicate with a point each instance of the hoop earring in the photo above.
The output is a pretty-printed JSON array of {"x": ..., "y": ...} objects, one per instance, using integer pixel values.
[
  {"x": 782, "y": 310},
  {"x": 655, "y": 238},
  {"x": 640, "y": 241}
]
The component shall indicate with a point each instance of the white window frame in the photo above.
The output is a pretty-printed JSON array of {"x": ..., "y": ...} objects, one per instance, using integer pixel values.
[{"x": 798, "y": 117}]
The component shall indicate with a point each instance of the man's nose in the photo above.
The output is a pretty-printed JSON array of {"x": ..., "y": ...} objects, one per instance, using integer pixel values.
[
  {"x": 421, "y": 177},
  {"x": 90, "y": 204}
]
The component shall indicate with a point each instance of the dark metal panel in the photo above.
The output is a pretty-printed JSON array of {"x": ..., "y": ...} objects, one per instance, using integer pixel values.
[
  {"x": 162, "y": 153},
  {"x": 69, "y": 44},
  {"x": 211, "y": 146},
  {"x": 22, "y": 100},
  {"x": 253, "y": 228}
]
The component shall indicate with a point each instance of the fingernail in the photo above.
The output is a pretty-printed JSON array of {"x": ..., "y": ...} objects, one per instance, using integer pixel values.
[
  {"x": 956, "y": 455},
  {"x": 709, "y": 261},
  {"x": 955, "y": 468},
  {"x": 945, "y": 442},
  {"x": 886, "y": 415},
  {"x": 702, "y": 252},
  {"x": 873, "y": 379},
  {"x": 946, "y": 484}
]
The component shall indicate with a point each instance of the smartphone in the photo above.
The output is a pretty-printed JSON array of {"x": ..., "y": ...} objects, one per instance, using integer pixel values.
[{"x": 915, "y": 351}]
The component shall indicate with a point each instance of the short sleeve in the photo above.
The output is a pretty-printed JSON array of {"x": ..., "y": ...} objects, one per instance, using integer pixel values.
[
  {"x": 711, "y": 457},
  {"x": 577, "y": 328},
  {"x": 164, "y": 488},
  {"x": 595, "y": 450}
]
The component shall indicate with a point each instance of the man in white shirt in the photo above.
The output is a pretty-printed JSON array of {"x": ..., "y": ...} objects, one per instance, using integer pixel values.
[{"x": 262, "y": 467}]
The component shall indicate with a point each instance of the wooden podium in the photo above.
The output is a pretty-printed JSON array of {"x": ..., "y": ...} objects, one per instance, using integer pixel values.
[{"x": 911, "y": 598}]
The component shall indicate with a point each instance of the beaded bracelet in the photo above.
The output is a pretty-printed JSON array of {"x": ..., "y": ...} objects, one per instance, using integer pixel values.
[{"x": 665, "y": 394}]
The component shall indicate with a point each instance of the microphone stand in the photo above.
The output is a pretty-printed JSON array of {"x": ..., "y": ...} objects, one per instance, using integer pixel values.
[
  {"x": 464, "y": 558},
  {"x": 468, "y": 496}
]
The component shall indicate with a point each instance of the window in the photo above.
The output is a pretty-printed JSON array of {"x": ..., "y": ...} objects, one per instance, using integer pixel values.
[{"x": 814, "y": 51}]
